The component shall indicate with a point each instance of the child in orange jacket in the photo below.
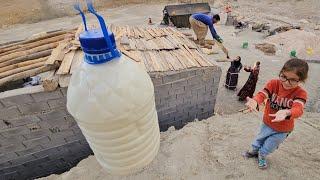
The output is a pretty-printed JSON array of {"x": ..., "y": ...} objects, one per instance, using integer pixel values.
[{"x": 285, "y": 103}]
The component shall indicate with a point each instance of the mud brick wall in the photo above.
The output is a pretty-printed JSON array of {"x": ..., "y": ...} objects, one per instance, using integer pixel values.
[
  {"x": 38, "y": 137},
  {"x": 185, "y": 96}
]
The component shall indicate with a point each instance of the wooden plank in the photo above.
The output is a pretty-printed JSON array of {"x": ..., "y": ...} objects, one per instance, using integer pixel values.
[
  {"x": 177, "y": 62},
  {"x": 201, "y": 56},
  {"x": 135, "y": 32},
  {"x": 151, "y": 32},
  {"x": 64, "y": 80},
  {"x": 140, "y": 44},
  {"x": 66, "y": 63},
  {"x": 160, "y": 61},
  {"x": 189, "y": 60},
  {"x": 77, "y": 61},
  {"x": 132, "y": 43},
  {"x": 131, "y": 55},
  {"x": 169, "y": 60},
  {"x": 178, "y": 58},
  {"x": 148, "y": 65},
  {"x": 153, "y": 45},
  {"x": 165, "y": 62},
  {"x": 154, "y": 60},
  {"x": 146, "y": 34},
  {"x": 189, "y": 53},
  {"x": 157, "y": 32},
  {"x": 57, "y": 53},
  {"x": 158, "y": 42}
]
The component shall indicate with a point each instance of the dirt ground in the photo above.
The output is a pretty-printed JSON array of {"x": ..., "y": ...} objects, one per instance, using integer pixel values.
[{"x": 212, "y": 148}]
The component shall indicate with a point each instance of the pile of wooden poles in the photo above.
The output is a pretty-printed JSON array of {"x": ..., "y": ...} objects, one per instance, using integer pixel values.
[{"x": 28, "y": 58}]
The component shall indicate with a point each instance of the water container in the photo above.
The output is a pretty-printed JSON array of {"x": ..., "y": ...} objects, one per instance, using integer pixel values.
[{"x": 112, "y": 99}]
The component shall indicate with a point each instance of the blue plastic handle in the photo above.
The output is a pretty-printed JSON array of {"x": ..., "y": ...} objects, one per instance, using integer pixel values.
[
  {"x": 78, "y": 8},
  {"x": 103, "y": 27}
]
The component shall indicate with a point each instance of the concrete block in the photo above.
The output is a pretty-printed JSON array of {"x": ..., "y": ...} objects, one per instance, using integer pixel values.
[
  {"x": 11, "y": 148},
  {"x": 58, "y": 103},
  {"x": 7, "y": 157},
  {"x": 54, "y": 114},
  {"x": 34, "y": 108},
  {"x": 54, "y": 142},
  {"x": 29, "y": 151},
  {"x": 14, "y": 131},
  {"x": 10, "y": 112},
  {"x": 24, "y": 120},
  {"x": 36, "y": 161},
  {"x": 180, "y": 83},
  {"x": 171, "y": 77},
  {"x": 195, "y": 79},
  {"x": 37, "y": 134},
  {"x": 157, "y": 81},
  {"x": 177, "y": 90},
  {"x": 17, "y": 100},
  {"x": 61, "y": 134},
  {"x": 45, "y": 96},
  {"x": 21, "y": 160},
  {"x": 36, "y": 141},
  {"x": 75, "y": 137},
  {"x": 12, "y": 175}
]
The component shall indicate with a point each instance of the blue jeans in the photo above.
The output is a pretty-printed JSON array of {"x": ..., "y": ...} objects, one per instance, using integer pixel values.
[{"x": 268, "y": 140}]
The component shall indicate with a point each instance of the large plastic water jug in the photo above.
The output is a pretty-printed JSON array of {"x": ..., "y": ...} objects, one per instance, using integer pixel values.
[{"x": 112, "y": 99}]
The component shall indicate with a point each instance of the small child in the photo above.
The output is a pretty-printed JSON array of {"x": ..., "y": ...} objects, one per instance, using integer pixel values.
[{"x": 285, "y": 103}]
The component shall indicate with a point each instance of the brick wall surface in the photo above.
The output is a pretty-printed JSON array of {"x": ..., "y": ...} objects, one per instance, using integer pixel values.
[{"x": 38, "y": 137}]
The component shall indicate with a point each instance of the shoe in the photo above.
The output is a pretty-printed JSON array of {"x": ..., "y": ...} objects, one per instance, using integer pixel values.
[
  {"x": 251, "y": 154},
  {"x": 262, "y": 162}
]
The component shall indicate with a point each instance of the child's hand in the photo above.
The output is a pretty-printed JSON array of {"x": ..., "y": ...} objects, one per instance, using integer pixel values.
[
  {"x": 252, "y": 104},
  {"x": 281, "y": 115}
]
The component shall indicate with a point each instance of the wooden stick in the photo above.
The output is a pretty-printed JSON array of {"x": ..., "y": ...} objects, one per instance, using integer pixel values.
[
  {"x": 34, "y": 44},
  {"x": 64, "y": 80},
  {"x": 26, "y": 74},
  {"x": 66, "y": 63},
  {"x": 21, "y": 69},
  {"x": 33, "y": 39},
  {"x": 28, "y": 52},
  {"x": 26, "y": 63},
  {"x": 26, "y": 58}
]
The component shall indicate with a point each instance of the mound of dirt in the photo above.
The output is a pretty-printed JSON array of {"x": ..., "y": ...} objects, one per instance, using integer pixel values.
[{"x": 306, "y": 44}]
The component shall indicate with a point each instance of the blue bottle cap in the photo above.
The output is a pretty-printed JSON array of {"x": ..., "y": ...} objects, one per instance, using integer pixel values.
[{"x": 98, "y": 45}]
